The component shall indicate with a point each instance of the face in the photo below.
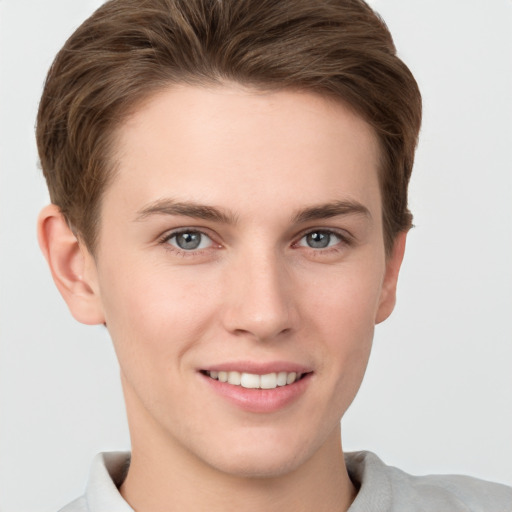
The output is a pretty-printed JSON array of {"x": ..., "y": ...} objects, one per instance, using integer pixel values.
[{"x": 241, "y": 240}]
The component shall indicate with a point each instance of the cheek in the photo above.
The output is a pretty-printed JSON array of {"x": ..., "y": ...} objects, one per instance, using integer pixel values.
[
  {"x": 345, "y": 300},
  {"x": 154, "y": 316},
  {"x": 344, "y": 316}
]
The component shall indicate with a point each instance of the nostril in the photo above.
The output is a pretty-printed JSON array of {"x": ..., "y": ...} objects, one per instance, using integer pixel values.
[{"x": 262, "y": 333}]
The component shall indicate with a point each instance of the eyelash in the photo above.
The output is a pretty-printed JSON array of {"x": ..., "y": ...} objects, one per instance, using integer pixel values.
[
  {"x": 164, "y": 240},
  {"x": 346, "y": 240}
]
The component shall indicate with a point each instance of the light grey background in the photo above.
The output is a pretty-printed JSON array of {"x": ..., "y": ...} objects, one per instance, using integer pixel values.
[{"x": 437, "y": 396}]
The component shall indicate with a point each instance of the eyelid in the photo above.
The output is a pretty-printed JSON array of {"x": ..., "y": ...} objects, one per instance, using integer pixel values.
[
  {"x": 168, "y": 235},
  {"x": 333, "y": 240},
  {"x": 346, "y": 238},
  {"x": 185, "y": 229},
  {"x": 344, "y": 235}
]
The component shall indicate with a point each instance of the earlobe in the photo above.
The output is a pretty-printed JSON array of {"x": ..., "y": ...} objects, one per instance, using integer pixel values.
[
  {"x": 71, "y": 265},
  {"x": 388, "y": 292}
]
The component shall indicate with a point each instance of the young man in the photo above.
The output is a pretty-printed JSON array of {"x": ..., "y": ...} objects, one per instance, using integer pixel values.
[{"x": 229, "y": 197}]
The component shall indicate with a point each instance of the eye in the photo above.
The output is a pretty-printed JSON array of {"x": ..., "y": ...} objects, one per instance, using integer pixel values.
[
  {"x": 189, "y": 240},
  {"x": 320, "y": 239}
]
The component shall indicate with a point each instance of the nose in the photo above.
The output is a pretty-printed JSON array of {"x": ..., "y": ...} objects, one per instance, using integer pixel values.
[{"x": 259, "y": 297}]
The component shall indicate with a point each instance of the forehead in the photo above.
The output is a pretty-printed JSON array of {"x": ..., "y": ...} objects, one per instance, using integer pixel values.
[{"x": 229, "y": 145}]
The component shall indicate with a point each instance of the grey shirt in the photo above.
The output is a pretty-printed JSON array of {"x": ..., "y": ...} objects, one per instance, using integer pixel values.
[{"x": 381, "y": 489}]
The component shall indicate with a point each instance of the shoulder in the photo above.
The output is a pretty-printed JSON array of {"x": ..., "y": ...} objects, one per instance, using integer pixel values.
[
  {"x": 386, "y": 488},
  {"x": 451, "y": 492}
]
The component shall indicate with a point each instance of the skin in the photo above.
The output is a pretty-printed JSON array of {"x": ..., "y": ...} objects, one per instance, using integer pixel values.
[{"x": 254, "y": 290}]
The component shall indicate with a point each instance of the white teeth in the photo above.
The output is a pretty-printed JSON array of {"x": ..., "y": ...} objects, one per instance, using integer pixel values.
[
  {"x": 281, "y": 378},
  {"x": 254, "y": 381},
  {"x": 250, "y": 380},
  {"x": 234, "y": 378},
  {"x": 290, "y": 378},
  {"x": 269, "y": 381}
]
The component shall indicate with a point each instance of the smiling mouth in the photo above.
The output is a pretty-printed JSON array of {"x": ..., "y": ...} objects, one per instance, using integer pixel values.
[{"x": 255, "y": 381}]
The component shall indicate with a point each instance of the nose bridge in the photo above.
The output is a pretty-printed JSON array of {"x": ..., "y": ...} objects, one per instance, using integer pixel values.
[{"x": 259, "y": 294}]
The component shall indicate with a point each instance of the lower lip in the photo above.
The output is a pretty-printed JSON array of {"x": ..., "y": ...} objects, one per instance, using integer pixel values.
[{"x": 259, "y": 400}]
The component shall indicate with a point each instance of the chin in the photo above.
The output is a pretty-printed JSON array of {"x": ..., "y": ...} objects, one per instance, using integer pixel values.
[
  {"x": 245, "y": 466},
  {"x": 260, "y": 459}
]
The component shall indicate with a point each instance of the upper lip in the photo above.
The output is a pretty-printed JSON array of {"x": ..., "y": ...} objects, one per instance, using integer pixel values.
[{"x": 258, "y": 368}]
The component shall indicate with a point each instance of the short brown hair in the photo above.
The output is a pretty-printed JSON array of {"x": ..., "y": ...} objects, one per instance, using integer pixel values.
[{"x": 129, "y": 49}]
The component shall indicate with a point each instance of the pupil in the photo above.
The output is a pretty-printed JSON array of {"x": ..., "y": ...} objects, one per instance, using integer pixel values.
[
  {"x": 318, "y": 240},
  {"x": 189, "y": 240}
]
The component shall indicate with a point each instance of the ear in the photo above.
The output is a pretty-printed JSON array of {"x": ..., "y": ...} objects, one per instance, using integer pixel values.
[
  {"x": 72, "y": 266},
  {"x": 388, "y": 292}
]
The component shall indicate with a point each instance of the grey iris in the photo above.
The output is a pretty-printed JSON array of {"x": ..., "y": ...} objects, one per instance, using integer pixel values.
[
  {"x": 189, "y": 240},
  {"x": 318, "y": 239}
]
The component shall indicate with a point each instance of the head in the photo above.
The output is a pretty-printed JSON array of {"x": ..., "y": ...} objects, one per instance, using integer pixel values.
[
  {"x": 130, "y": 49},
  {"x": 229, "y": 183}
]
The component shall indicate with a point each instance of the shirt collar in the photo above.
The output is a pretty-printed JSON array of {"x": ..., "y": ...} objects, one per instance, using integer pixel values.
[{"x": 107, "y": 473}]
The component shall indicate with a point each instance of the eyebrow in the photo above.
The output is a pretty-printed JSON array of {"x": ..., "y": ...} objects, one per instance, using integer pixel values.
[
  {"x": 186, "y": 209},
  {"x": 331, "y": 209},
  {"x": 212, "y": 213}
]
